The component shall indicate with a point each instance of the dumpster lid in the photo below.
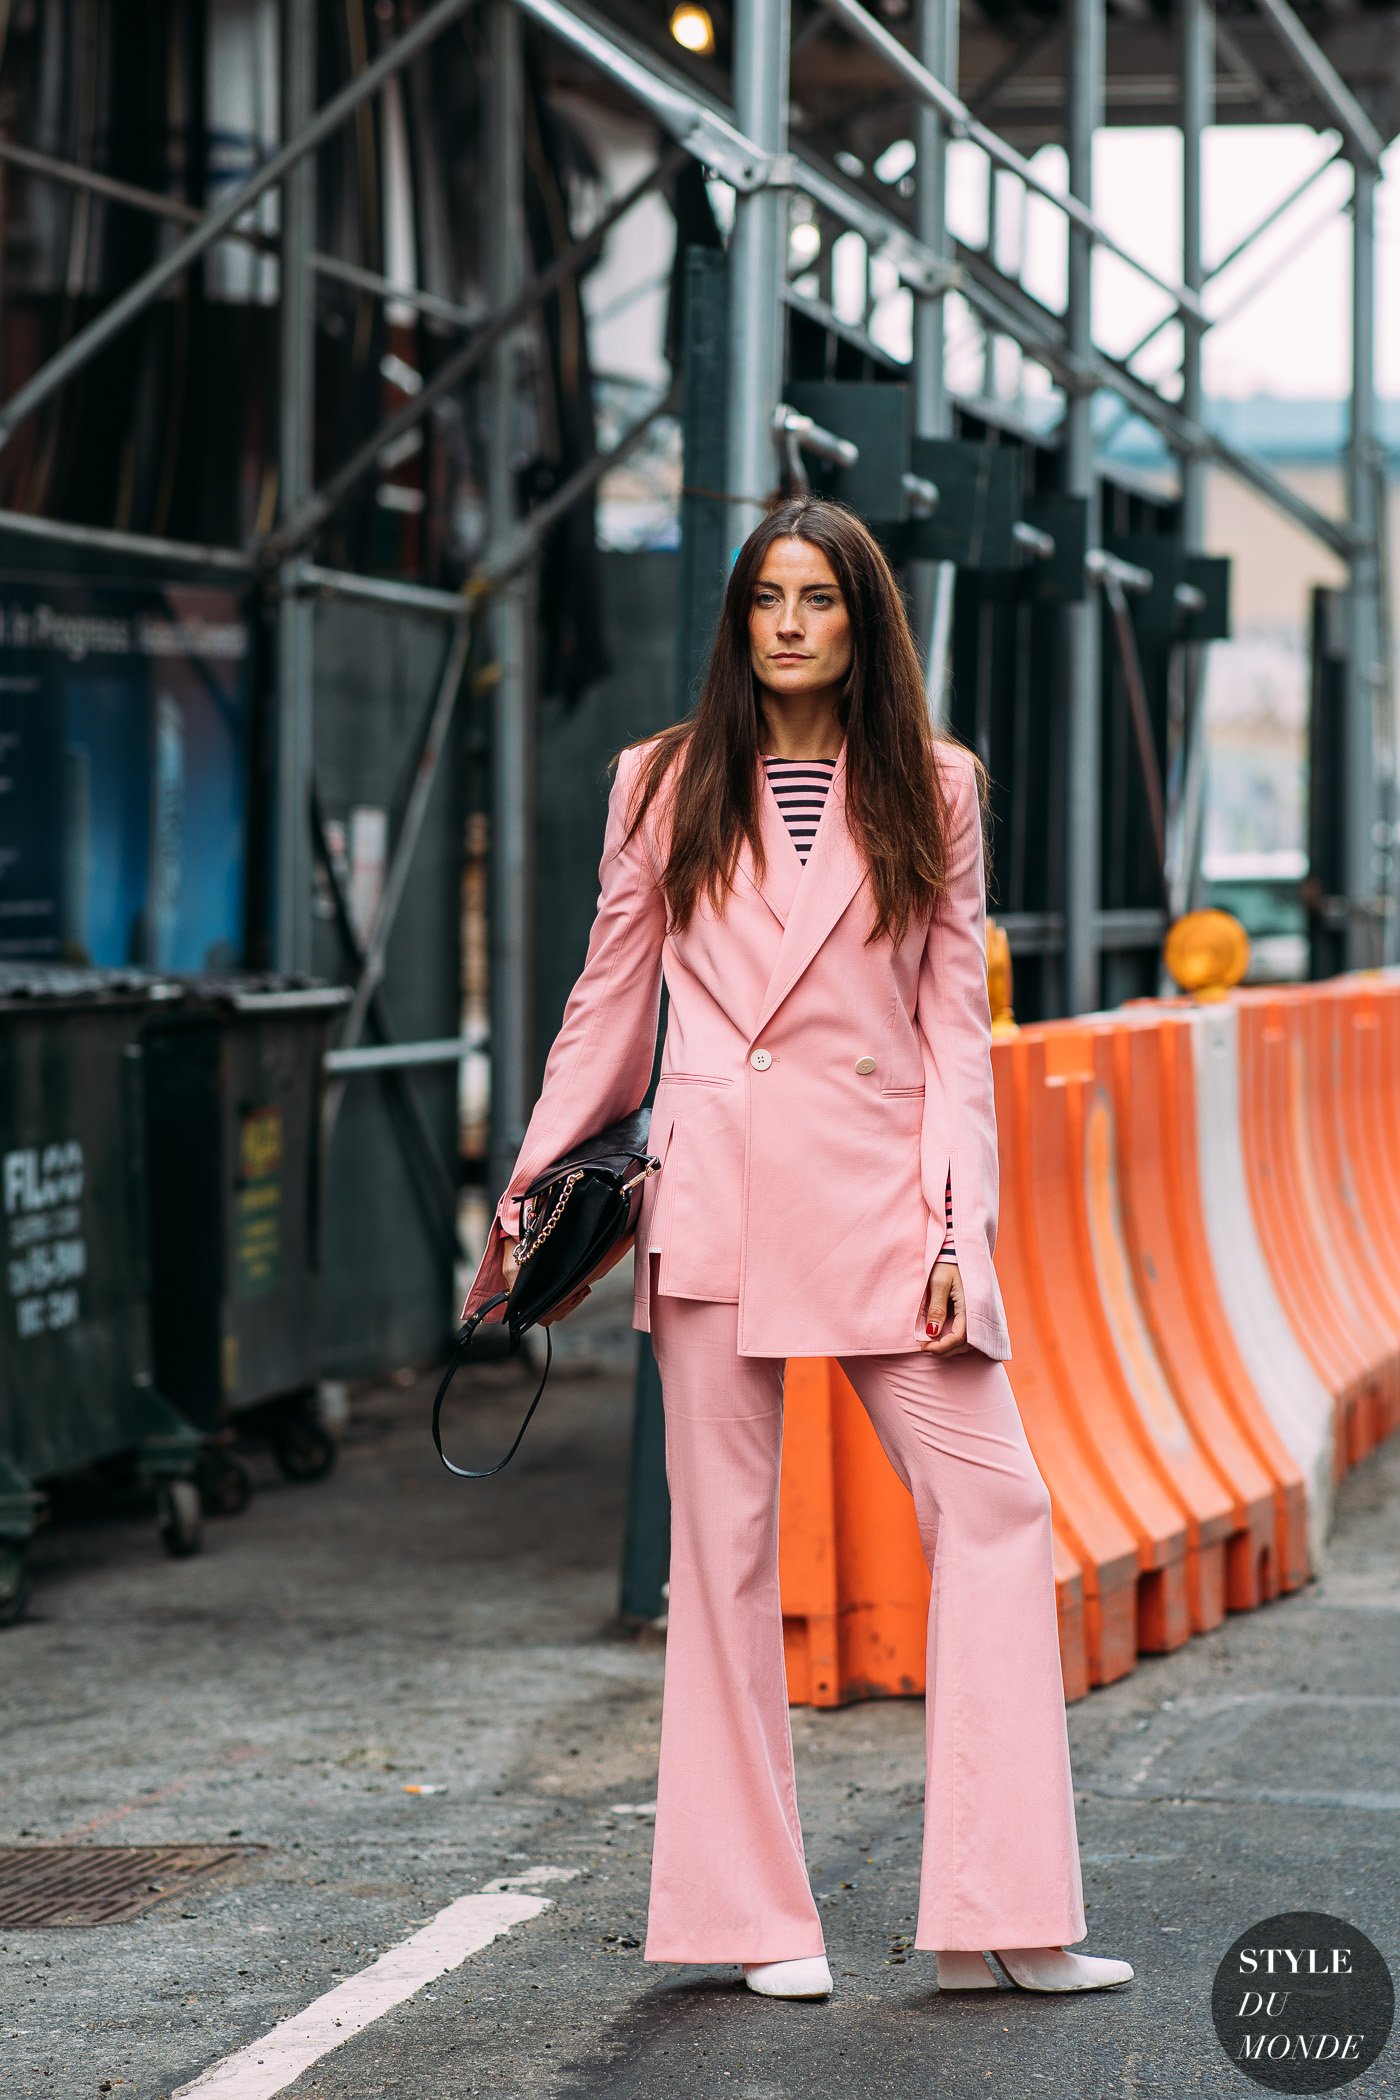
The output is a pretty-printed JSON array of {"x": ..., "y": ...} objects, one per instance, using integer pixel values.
[
  {"x": 75, "y": 984},
  {"x": 260, "y": 991}
]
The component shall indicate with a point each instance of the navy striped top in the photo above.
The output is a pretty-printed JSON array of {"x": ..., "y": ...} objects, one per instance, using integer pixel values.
[{"x": 800, "y": 788}]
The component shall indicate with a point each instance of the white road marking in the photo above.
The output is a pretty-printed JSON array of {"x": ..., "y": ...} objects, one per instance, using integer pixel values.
[
  {"x": 532, "y": 1878},
  {"x": 265, "y": 2067}
]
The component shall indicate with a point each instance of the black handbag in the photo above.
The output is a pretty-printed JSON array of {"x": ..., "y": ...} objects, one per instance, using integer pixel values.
[{"x": 583, "y": 1211}]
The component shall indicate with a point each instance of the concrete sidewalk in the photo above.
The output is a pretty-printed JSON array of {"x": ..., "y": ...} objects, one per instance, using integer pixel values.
[{"x": 392, "y": 1627}]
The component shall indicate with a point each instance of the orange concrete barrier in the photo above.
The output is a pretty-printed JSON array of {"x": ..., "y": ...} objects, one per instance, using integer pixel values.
[
  {"x": 1129, "y": 1426},
  {"x": 1090, "y": 1520},
  {"x": 1300, "y": 1405},
  {"x": 1364, "y": 1059},
  {"x": 1352, "y": 1114},
  {"x": 1365, "y": 1067},
  {"x": 1378, "y": 1085},
  {"x": 1199, "y": 1251},
  {"x": 1302, "y": 1228},
  {"x": 1145, "y": 1060},
  {"x": 855, "y": 1587}
]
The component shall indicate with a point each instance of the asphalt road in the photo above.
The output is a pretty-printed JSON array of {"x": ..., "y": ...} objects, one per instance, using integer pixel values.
[{"x": 391, "y": 1627}]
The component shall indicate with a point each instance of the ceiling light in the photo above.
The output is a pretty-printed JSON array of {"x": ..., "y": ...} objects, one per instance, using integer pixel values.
[
  {"x": 692, "y": 28},
  {"x": 895, "y": 161},
  {"x": 804, "y": 243}
]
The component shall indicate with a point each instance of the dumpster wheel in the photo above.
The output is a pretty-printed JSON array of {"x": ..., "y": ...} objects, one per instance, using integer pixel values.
[
  {"x": 14, "y": 1580},
  {"x": 301, "y": 1445},
  {"x": 179, "y": 1518},
  {"x": 225, "y": 1484}
]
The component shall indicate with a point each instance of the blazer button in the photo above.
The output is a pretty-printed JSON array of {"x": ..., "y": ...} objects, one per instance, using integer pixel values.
[
  {"x": 865, "y": 1064},
  {"x": 761, "y": 1060}
]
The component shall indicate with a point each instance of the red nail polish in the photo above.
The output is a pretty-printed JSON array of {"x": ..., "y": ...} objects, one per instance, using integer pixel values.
[{"x": 934, "y": 1330}]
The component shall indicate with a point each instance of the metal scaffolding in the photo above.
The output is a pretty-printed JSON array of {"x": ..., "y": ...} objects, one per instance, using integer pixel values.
[{"x": 745, "y": 141}]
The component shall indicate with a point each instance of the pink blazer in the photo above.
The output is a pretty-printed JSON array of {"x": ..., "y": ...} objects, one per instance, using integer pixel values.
[{"x": 814, "y": 1093}]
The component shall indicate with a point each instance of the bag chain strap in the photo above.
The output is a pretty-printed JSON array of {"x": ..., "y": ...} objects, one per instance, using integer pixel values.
[{"x": 536, "y": 1240}]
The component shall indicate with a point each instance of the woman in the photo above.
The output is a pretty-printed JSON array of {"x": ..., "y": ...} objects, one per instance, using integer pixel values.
[{"x": 802, "y": 861}]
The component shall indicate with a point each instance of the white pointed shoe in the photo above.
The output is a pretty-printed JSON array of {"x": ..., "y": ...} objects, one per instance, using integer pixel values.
[
  {"x": 809, "y": 1978},
  {"x": 960, "y": 1971},
  {"x": 1057, "y": 1969}
]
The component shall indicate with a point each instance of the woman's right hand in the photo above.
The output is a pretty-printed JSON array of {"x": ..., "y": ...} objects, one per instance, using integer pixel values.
[{"x": 510, "y": 1269}]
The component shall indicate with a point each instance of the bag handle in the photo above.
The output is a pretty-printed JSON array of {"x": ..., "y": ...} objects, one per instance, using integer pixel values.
[{"x": 455, "y": 1362}]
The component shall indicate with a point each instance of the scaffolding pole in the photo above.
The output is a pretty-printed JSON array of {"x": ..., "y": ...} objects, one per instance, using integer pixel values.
[
  {"x": 757, "y": 262},
  {"x": 938, "y": 51},
  {"x": 511, "y": 873},
  {"x": 291, "y": 797},
  {"x": 1197, "y": 112},
  {"x": 1367, "y": 848},
  {"x": 1083, "y": 115},
  {"x": 932, "y": 583}
]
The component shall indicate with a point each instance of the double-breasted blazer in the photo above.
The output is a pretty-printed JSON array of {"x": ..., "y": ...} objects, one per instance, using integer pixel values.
[{"x": 815, "y": 1093}]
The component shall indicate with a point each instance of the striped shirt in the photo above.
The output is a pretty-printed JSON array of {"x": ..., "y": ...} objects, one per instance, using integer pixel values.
[{"x": 800, "y": 789}]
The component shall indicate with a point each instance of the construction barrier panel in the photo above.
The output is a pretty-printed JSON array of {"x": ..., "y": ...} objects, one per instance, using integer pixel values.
[
  {"x": 1302, "y": 1227},
  {"x": 1145, "y": 1064},
  {"x": 1054, "y": 1120},
  {"x": 855, "y": 1591},
  {"x": 1359, "y": 1057},
  {"x": 1298, "y": 1402},
  {"x": 1325, "y": 1028},
  {"x": 1199, "y": 1251}
]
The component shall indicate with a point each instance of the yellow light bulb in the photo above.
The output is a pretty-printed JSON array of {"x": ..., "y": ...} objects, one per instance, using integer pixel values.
[{"x": 692, "y": 28}]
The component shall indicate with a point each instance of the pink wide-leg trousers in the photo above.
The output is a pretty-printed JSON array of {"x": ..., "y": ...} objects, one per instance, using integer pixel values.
[{"x": 1001, "y": 1856}]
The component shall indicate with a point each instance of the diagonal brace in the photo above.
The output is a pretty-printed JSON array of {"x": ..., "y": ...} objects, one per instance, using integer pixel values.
[
  {"x": 1261, "y": 226},
  {"x": 424, "y": 776},
  {"x": 305, "y": 523},
  {"x": 74, "y": 176},
  {"x": 963, "y": 124},
  {"x": 439, "y": 1204},
  {"x": 1315, "y": 66},
  {"x": 80, "y": 350},
  {"x": 1141, "y": 715}
]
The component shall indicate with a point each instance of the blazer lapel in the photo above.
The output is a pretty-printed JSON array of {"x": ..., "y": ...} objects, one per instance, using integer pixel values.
[
  {"x": 783, "y": 872},
  {"x": 819, "y": 893}
]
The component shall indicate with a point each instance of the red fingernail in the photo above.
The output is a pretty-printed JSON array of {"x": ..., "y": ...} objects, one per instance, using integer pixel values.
[{"x": 934, "y": 1330}]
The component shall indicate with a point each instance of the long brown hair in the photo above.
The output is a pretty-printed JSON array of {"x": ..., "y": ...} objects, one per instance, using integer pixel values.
[{"x": 895, "y": 800}]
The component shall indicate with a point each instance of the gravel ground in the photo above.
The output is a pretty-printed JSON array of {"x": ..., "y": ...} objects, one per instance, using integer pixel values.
[{"x": 390, "y": 1627}]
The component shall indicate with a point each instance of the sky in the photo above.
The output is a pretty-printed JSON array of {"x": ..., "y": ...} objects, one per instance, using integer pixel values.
[{"x": 1293, "y": 339}]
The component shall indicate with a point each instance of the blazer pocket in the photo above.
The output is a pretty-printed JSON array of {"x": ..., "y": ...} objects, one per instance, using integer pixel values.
[
  {"x": 690, "y": 1079},
  {"x": 902, "y": 1066}
]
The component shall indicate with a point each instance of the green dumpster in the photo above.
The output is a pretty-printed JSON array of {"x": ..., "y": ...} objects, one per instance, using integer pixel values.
[
  {"x": 76, "y": 1385},
  {"x": 233, "y": 1089}
]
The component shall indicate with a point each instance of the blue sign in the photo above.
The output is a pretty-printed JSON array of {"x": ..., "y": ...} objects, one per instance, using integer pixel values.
[{"x": 123, "y": 774}]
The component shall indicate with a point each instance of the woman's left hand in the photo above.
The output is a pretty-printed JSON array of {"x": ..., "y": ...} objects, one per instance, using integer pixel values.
[{"x": 943, "y": 1317}]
